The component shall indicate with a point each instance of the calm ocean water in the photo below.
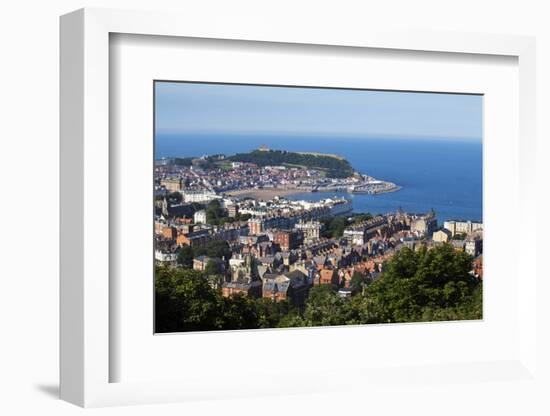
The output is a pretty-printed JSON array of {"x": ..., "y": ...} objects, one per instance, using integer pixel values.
[{"x": 442, "y": 174}]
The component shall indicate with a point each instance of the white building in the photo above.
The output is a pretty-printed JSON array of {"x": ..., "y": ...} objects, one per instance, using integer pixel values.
[
  {"x": 311, "y": 229},
  {"x": 199, "y": 196},
  {"x": 473, "y": 247},
  {"x": 462, "y": 227},
  {"x": 356, "y": 236},
  {"x": 164, "y": 257},
  {"x": 200, "y": 217}
]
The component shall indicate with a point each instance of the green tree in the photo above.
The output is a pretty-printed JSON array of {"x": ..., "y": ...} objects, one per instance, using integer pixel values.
[
  {"x": 214, "y": 212},
  {"x": 333, "y": 227},
  {"x": 185, "y": 301},
  {"x": 214, "y": 272},
  {"x": 212, "y": 267},
  {"x": 423, "y": 285},
  {"x": 323, "y": 307},
  {"x": 292, "y": 319},
  {"x": 183, "y": 161},
  {"x": 240, "y": 312},
  {"x": 356, "y": 311},
  {"x": 243, "y": 217},
  {"x": 361, "y": 217},
  {"x": 219, "y": 249},
  {"x": 334, "y": 167},
  {"x": 185, "y": 256},
  {"x": 271, "y": 312},
  {"x": 358, "y": 282},
  {"x": 337, "y": 227}
]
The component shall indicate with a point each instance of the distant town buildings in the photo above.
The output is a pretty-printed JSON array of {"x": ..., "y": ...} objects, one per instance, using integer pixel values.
[
  {"x": 252, "y": 289},
  {"x": 277, "y": 248},
  {"x": 172, "y": 184},
  {"x": 288, "y": 239},
  {"x": 292, "y": 285}
]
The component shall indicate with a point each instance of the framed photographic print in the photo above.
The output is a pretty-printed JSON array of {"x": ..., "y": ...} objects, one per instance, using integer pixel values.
[
  {"x": 292, "y": 208},
  {"x": 286, "y": 206}
]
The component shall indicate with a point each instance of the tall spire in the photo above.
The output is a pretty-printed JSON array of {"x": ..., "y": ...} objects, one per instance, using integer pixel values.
[{"x": 165, "y": 207}]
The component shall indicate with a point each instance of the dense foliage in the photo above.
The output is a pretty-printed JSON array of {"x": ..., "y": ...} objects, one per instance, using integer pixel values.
[
  {"x": 426, "y": 285},
  {"x": 183, "y": 161},
  {"x": 215, "y": 213},
  {"x": 185, "y": 256},
  {"x": 359, "y": 218},
  {"x": 333, "y": 227},
  {"x": 333, "y": 166},
  {"x": 214, "y": 249},
  {"x": 186, "y": 301}
]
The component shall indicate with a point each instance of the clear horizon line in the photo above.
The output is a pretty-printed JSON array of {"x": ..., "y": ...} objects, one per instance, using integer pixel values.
[{"x": 372, "y": 135}]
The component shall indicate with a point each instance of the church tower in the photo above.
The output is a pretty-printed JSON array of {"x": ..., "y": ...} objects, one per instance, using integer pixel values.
[{"x": 165, "y": 208}]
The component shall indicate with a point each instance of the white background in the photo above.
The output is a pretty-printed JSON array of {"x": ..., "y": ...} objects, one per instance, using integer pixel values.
[
  {"x": 29, "y": 212},
  {"x": 137, "y": 60}
]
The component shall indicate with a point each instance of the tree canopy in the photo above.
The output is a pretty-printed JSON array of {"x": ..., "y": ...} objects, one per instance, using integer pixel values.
[
  {"x": 415, "y": 285},
  {"x": 185, "y": 302},
  {"x": 334, "y": 167},
  {"x": 219, "y": 249},
  {"x": 215, "y": 213},
  {"x": 426, "y": 285},
  {"x": 333, "y": 227},
  {"x": 185, "y": 256}
]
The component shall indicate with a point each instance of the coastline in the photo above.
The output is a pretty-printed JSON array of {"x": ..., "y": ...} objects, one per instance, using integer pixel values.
[{"x": 265, "y": 194}]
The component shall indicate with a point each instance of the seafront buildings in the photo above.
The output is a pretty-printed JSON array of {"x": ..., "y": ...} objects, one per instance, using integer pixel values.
[
  {"x": 282, "y": 254},
  {"x": 462, "y": 227}
]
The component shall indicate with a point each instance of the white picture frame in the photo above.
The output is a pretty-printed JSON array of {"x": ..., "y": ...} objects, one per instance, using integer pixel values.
[{"x": 85, "y": 211}]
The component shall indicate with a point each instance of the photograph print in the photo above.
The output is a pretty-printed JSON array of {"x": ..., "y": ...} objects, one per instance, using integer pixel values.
[{"x": 289, "y": 206}]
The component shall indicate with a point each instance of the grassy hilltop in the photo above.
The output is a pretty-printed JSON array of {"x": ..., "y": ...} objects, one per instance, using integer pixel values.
[{"x": 333, "y": 166}]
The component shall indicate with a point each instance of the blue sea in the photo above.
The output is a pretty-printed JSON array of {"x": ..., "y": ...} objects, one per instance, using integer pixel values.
[{"x": 444, "y": 174}]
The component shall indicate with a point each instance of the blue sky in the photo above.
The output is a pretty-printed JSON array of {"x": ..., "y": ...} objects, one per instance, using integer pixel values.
[{"x": 187, "y": 108}]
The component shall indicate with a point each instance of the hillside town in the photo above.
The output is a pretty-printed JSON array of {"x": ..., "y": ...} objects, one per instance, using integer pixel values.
[
  {"x": 201, "y": 179},
  {"x": 276, "y": 248}
]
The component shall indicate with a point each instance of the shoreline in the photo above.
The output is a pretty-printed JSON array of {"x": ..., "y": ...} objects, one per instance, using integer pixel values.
[
  {"x": 389, "y": 191},
  {"x": 267, "y": 194}
]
